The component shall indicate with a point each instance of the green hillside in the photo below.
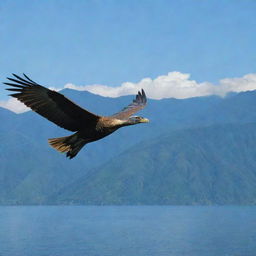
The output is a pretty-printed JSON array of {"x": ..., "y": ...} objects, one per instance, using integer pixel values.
[{"x": 212, "y": 165}]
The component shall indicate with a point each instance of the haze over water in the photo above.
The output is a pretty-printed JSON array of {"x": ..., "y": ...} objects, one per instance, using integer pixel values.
[{"x": 127, "y": 230}]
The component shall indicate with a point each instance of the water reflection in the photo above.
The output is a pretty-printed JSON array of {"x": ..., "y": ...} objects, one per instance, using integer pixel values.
[{"x": 127, "y": 230}]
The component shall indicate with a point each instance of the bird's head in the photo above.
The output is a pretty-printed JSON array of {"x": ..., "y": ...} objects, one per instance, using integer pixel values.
[{"x": 137, "y": 120}]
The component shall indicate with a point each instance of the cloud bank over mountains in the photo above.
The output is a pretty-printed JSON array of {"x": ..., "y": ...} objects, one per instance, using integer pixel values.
[{"x": 173, "y": 85}]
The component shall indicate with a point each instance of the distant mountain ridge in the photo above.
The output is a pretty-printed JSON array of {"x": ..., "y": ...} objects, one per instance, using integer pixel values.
[{"x": 31, "y": 172}]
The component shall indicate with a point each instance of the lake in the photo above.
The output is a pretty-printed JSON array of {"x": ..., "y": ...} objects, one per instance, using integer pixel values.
[{"x": 127, "y": 230}]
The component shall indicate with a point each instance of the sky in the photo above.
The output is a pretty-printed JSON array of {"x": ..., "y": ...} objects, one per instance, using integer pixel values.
[{"x": 170, "y": 48}]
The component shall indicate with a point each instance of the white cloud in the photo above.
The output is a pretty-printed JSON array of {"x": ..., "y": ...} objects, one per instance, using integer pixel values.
[
  {"x": 240, "y": 84},
  {"x": 14, "y": 105},
  {"x": 173, "y": 85}
]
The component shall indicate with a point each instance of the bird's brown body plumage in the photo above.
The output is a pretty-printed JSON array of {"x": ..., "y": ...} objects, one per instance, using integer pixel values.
[{"x": 87, "y": 126}]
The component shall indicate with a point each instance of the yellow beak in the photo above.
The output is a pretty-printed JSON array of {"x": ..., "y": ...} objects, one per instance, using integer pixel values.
[{"x": 144, "y": 120}]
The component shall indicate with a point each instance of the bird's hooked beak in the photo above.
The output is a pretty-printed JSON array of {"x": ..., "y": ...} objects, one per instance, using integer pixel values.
[{"x": 144, "y": 120}]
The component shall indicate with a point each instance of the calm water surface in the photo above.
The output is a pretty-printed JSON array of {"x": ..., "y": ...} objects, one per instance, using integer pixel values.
[{"x": 127, "y": 231}]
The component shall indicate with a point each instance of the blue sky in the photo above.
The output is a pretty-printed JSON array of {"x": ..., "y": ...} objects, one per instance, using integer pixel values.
[{"x": 111, "y": 42}]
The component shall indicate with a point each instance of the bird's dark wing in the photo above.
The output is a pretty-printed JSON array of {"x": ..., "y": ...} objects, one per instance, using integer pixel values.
[
  {"x": 138, "y": 103},
  {"x": 50, "y": 104}
]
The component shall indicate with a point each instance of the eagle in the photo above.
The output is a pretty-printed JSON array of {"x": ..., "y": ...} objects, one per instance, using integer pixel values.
[{"x": 55, "y": 107}]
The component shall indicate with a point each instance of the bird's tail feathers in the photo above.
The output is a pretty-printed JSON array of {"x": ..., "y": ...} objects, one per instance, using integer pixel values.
[{"x": 69, "y": 144}]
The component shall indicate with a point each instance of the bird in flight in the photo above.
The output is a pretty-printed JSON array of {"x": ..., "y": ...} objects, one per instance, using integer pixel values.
[{"x": 88, "y": 127}]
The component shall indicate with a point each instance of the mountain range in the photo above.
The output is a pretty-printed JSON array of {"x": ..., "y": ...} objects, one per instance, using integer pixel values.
[{"x": 194, "y": 151}]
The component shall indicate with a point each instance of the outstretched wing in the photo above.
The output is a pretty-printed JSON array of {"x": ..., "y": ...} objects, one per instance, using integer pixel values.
[
  {"x": 50, "y": 104},
  {"x": 138, "y": 103}
]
